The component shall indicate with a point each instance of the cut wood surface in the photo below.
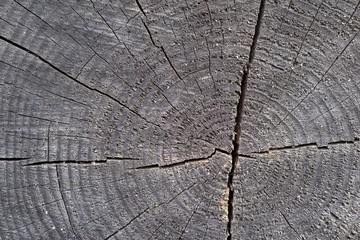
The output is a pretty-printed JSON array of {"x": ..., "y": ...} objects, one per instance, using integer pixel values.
[{"x": 180, "y": 119}]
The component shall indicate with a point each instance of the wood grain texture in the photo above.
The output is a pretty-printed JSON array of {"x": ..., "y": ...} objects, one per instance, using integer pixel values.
[{"x": 129, "y": 119}]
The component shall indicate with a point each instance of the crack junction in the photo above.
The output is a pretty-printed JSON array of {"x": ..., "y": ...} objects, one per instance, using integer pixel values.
[{"x": 238, "y": 119}]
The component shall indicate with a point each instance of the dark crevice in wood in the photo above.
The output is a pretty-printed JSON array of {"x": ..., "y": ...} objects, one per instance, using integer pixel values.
[
  {"x": 107, "y": 24},
  {"x": 48, "y": 142},
  {"x": 193, "y": 212},
  {"x": 75, "y": 80},
  {"x": 84, "y": 162},
  {"x": 356, "y": 139},
  {"x": 351, "y": 16},
  {"x": 318, "y": 82},
  {"x": 282, "y": 214},
  {"x": 289, "y": 224},
  {"x": 86, "y": 63},
  {"x": 290, "y": 147},
  {"x": 304, "y": 145},
  {"x": 192, "y": 160},
  {"x": 150, "y": 34},
  {"x": 155, "y": 165},
  {"x": 171, "y": 65},
  {"x": 166, "y": 98},
  {"x": 295, "y": 60},
  {"x": 178, "y": 194},
  {"x": 38, "y": 118},
  {"x": 37, "y": 16},
  {"x": 333, "y": 107},
  {"x": 137, "y": 216},
  {"x": 140, "y": 7},
  {"x": 171, "y": 200},
  {"x": 3, "y": 159},
  {"x": 36, "y": 94},
  {"x": 222, "y": 151},
  {"x": 246, "y": 156},
  {"x": 209, "y": 63},
  {"x": 334, "y": 215},
  {"x": 70, "y": 99},
  {"x": 63, "y": 200},
  {"x": 238, "y": 119},
  {"x": 164, "y": 52}
]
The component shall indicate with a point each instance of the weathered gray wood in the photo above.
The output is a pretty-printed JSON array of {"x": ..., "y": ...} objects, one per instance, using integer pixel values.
[
  {"x": 118, "y": 119},
  {"x": 301, "y": 126}
]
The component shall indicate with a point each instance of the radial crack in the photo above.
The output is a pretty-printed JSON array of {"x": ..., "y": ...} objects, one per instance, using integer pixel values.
[
  {"x": 38, "y": 118},
  {"x": 239, "y": 114},
  {"x": 13, "y": 159},
  {"x": 351, "y": 16},
  {"x": 289, "y": 224},
  {"x": 140, "y": 7},
  {"x": 150, "y": 35},
  {"x": 304, "y": 145},
  {"x": 107, "y": 24},
  {"x": 318, "y": 82},
  {"x": 184, "y": 161},
  {"x": 117, "y": 231},
  {"x": 63, "y": 200},
  {"x": 164, "y": 53},
  {"x": 75, "y": 80},
  {"x": 33, "y": 13}
]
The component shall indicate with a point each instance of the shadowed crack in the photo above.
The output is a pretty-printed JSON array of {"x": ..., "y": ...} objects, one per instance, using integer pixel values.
[
  {"x": 239, "y": 114},
  {"x": 140, "y": 7},
  {"x": 38, "y": 118},
  {"x": 88, "y": 162},
  {"x": 281, "y": 212},
  {"x": 137, "y": 216},
  {"x": 12, "y": 159},
  {"x": 164, "y": 53},
  {"x": 245, "y": 156},
  {"x": 304, "y": 145},
  {"x": 154, "y": 207},
  {"x": 321, "y": 79},
  {"x": 216, "y": 150},
  {"x": 63, "y": 200},
  {"x": 289, "y": 224},
  {"x": 107, "y": 24},
  {"x": 75, "y": 80},
  {"x": 150, "y": 34}
]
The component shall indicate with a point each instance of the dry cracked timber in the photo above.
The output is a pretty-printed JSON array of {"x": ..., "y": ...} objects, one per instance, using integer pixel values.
[{"x": 179, "y": 119}]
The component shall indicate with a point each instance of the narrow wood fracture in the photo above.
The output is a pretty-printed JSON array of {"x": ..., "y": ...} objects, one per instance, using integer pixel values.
[
  {"x": 117, "y": 119},
  {"x": 239, "y": 114}
]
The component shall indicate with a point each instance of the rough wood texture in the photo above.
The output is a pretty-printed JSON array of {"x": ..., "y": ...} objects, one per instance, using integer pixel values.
[{"x": 179, "y": 119}]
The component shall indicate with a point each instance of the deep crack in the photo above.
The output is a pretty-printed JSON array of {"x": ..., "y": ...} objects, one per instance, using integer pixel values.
[
  {"x": 239, "y": 114},
  {"x": 152, "y": 166},
  {"x": 13, "y": 159},
  {"x": 46, "y": 62},
  {"x": 305, "y": 145},
  {"x": 140, "y": 7}
]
